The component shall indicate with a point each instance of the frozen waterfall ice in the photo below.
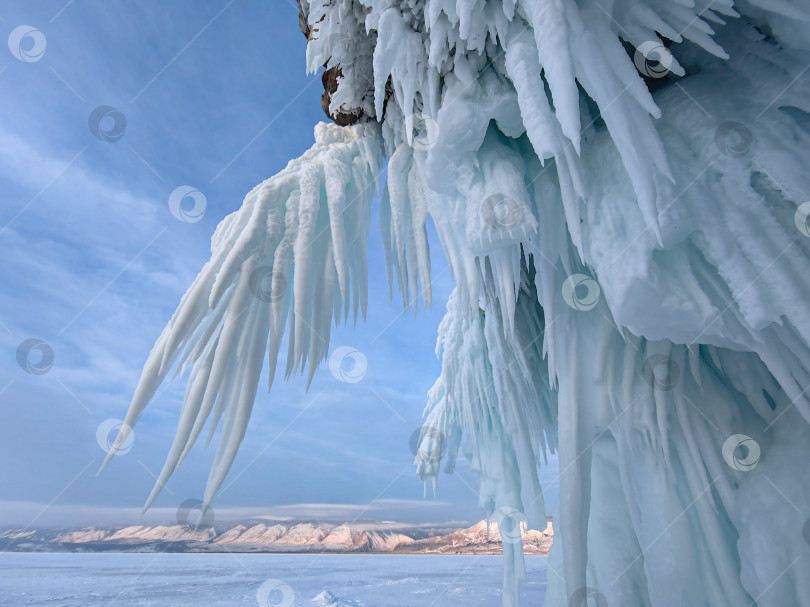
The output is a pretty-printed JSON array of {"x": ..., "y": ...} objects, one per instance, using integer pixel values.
[{"x": 622, "y": 193}]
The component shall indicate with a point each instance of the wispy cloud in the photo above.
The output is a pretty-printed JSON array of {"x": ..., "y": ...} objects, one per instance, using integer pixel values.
[{"x": 15, "y": 514}]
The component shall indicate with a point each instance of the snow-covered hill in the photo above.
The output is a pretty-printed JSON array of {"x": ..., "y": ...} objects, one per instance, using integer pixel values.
[{"x": 275, "y": 536}]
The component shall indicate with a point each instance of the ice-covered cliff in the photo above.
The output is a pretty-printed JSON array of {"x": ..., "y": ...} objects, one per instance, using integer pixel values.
[{"x": 621, "y": 191}]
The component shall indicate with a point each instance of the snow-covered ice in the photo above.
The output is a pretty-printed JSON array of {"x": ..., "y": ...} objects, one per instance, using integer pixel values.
[{"x": 194, "y": 580}]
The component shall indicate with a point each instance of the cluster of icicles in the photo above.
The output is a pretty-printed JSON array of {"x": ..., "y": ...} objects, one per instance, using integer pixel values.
[{"x": 524, "y": 129}]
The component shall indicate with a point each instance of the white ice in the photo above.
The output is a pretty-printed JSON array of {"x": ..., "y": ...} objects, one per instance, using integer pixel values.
[{"x": 191, "y": 580}]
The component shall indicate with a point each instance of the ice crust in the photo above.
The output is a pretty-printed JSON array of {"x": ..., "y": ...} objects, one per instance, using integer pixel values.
[{"x": 524, "y": 129}]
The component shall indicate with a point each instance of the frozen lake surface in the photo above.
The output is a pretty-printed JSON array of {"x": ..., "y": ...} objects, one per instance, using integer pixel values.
[{"x": 201, "y": 580}]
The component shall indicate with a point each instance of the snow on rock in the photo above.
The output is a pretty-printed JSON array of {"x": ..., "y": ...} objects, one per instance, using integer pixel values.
[
  {"x": 343, "y": 537},
  {"x": 164, "y": 533},
  {"x": 305, "y": 533},
  {"x": 16, "y": 534},
  {"x": 388, "y": 542},
  {"x": 485, "y": 538},
  {"x": 82, "y": 536},
  {"x": 256, "y": 534},
  {"x": 621, "y": 192}
]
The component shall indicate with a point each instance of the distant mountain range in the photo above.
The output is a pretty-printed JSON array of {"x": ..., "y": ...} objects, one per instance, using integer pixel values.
[{"x": 274, "y": 536}]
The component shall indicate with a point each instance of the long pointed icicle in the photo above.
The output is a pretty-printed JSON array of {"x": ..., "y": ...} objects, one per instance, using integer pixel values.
[{"x": 238, "y": 305}]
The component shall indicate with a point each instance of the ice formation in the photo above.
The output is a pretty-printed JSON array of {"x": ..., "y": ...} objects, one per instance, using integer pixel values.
[{"x": 620, "y": 189}]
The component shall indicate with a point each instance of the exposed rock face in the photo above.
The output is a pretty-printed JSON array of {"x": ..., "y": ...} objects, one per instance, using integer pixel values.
[
  {"x": 330, "y": 77},
  {"x": 302, "y": 19},
  {"x": 330, "y": 85}
]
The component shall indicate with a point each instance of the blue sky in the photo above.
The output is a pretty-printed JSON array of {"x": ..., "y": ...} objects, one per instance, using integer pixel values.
[{"x": 215, "y": 96}]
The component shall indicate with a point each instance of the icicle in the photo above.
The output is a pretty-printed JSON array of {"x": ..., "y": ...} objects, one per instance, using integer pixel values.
[
  {"x": 681, "y": 211},
  {"x": 238, "y": 306}
]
